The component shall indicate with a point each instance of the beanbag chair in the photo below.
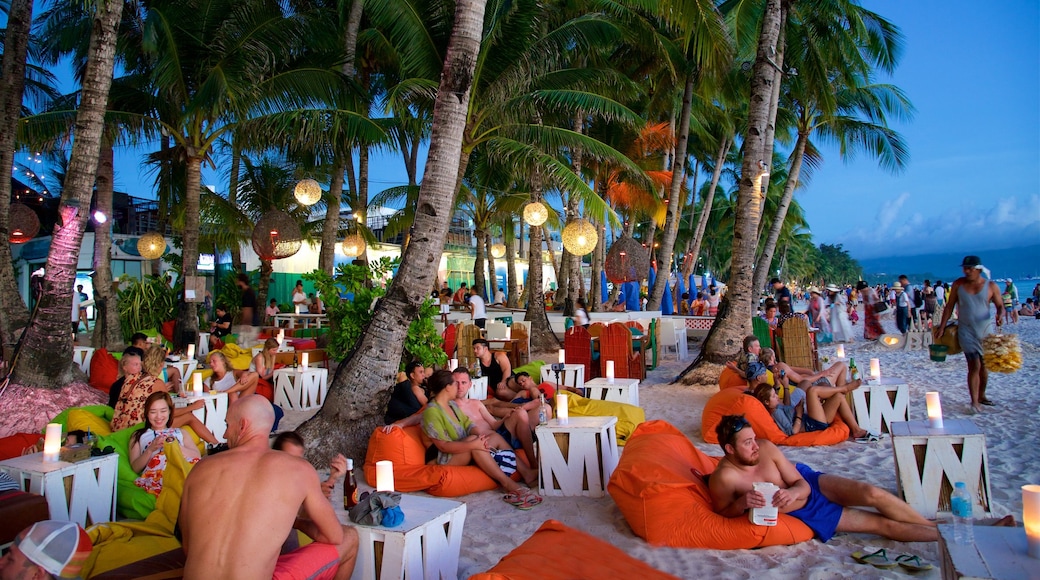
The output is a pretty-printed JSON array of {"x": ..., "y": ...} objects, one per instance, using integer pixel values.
[
  {"x": 239, "y": 357},
  {"x": 558, "y": 552},
  {"x": 167, "y": 330},
  {"x": 303, "y": 343},
  {"x": 628, "y": 416},
  {"x": 405, "y": 448},
  {"x": 667, "y": 505},
  {"x": 731, "y": 379},
  {"x": 533, "y": 368},
  {"x": 104, "y": 370},
  {"x": 735, "y": 402},
  {"x": 12, "y": 445}
]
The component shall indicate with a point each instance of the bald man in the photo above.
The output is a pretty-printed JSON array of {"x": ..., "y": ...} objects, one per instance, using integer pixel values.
[{"x": 239, "y": 506}]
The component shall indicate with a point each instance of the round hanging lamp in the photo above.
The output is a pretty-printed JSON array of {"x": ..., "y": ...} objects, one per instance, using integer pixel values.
[
  {"x": 307, "y": 192},
  {"x": 151, "y": 246},
  {"x": 535, "y": 213},
  {"x": 353, "y": 245},
  {"x": 626, "y": 261},
  {"x": 498, "y": 250},
  {"x": 276, "y": 236},
  {"x": 580, "y": 237},
  {"x": 23, "y": 222}
]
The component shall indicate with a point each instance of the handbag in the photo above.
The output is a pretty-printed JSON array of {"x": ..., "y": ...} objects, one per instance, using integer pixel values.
[{"x": 880, "y": 306}]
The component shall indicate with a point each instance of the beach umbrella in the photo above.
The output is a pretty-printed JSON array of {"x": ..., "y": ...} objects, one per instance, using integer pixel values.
[
  {"x": 666, "y": 300},
  {"x": 603, "y": 294},
  {"x": 693, "y": 287},
  {"x": 632, "y": 301},
  {"x": 682, "y": 287},
  {"x": 651, "y": 277}
]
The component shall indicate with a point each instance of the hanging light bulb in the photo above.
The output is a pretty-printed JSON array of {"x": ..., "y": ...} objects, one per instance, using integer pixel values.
[{"x": 307, "y": 192}]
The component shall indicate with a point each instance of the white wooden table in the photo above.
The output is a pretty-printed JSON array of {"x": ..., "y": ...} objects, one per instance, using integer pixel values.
[
  {"x": 186, "y": 366},
  {"x": 881, "y": 403},
  {"x": 81, "y": 355},
  {"x": 479, "y": 389},
  {"x": 213, "y": 413},
  {"x": 425, "y": 545},
  {"x": 577, "y": 458},
  {"x": 202, "y": 348},
  {"x": 306, "y": 319},
  {"x": 996, "y": 553},
  {"x": 296, "y": 389},
  {"x": 929, "y": 461},
  {"x": 620, "y": 391},
  {"x": 83, "y": 492},
  {"x": 572, "y": 375}
]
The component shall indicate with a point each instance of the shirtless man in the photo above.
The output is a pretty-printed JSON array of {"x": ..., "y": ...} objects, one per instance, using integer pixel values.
[
  {"x": 258, "y": 495},
  {"x": 821, "y": 501},
  {"x": 514, "y": 426}
]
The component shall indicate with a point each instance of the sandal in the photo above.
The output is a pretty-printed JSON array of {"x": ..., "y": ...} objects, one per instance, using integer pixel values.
[
  {"x": 987, "y": 402},
  {"x": 529, "y": 500},
  {"x": 878, "y": 558},
  {"x": 513, "y": 498},
  {"x": 913, "y": 563},
  {"x": 868, "y": 438}
]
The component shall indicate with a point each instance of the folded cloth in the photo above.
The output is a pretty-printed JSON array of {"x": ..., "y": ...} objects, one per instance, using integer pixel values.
[
  {"x": 370, "y": 508},
  {"x": 392, "y": 516}
]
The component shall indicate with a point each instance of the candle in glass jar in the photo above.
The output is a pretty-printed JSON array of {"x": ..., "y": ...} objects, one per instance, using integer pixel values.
[
  {"x": 191, "y": 351},
  {"x": 563, "y": 356},
  {"x": 841, "y": 351},
  {"x": 196, "y": 385},
  {"x": 875, "y": 369},
  {"x": 610, "y": 371},
  {"x": 935, "y": 418},
  {"x": 52, "y": 443},
  {"x": 562, "y": 416},
  {"x": 1031, "y": 518},
  {"x": 384, "y": 476},
  {"x": 303, "y": 361}
]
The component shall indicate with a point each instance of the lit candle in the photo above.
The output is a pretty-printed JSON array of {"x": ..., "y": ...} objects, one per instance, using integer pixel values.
[
  {"x": 191, "y": 351},
  {"x": 875, "y": 369},
  {"x": 561, "y": 409},
  {"x": 453, "y": 364},
  {"x": 52, "y": 443},
  {"x": 297, "y": 309},
  {"x": 384, "y": 476},
  {"x": 563, "y": 356},
  {"x": 509, "y": 333},
  {"x": 1031, "y": 518},
  {"x": 935, "y": 420},
  {"x": 196, "y": 384},
  {"x": 303, "y": 361},
  {"x": 841, "y": 351},
  {"x": 610, "y": 371}
]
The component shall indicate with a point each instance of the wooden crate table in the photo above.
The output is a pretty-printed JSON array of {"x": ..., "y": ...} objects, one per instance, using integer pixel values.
[
  {"x": 997, "y": 553},
  {"x": 929, "y": 461},
  {"x": 478, "y": 389},
  {"x": 213, "y": 412},
  {"x": 881, "y": 403},
  {"x": 81, "y": 355},
  {"x": 202, "y": 348},
  {"x": 620, "y": 391},
  {"x": 83, "y": 492},
  {"x": 577, "y": 458},
  {"x": 186, "y": 366},
  {"x": 572, "y": 375},
  {"x": 296, "y": 389},
  {"x": 425, "y": 545}
]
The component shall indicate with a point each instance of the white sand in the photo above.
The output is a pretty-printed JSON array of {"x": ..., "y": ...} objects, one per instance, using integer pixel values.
[{"x": 493, "y": 528}]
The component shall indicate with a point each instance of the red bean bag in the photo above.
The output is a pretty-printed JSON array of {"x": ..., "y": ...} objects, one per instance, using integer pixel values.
[
  {"x": 406, "y": 449},
  {"x": 104, "y": 370},
  {"x": 667, "y": 505},
  {"x": 166, "y": 330},
  {"x": 557, "y": 552},
  {"x": 735, "y": 402},
  {"x": 303, "y": 343},
  {"x": 13, "y": 445}
]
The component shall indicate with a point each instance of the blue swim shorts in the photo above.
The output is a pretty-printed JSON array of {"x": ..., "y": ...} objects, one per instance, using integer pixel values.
[{"x": 819, "y": 513}]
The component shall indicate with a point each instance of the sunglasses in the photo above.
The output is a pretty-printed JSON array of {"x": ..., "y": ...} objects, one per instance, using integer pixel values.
[{"x": 739, "y": 425}]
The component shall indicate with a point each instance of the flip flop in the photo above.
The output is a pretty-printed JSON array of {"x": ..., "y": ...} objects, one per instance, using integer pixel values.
[
  {"x": 528, "y": 499},
  {"x": 878, "y": 558},
  {"x": 988, "y": 402},
  {"x": 868, "y": 438},
  {"x": 913, "y": 563}
]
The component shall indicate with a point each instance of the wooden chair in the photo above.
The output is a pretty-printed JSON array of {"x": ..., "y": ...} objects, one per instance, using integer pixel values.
[
  {"x": 464, "y": 346},
  {"x": 615, "y": 344},
  {"x": 577, "y": 344},
  {"x": 449, "y": 336},
  {"x": 797, "y": 345},
  {"x": 519, "y": 333}
]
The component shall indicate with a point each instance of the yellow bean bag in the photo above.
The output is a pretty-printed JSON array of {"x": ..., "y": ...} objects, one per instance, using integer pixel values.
[
  {"x": 629, "y": 416},
  {"x": 238, "y": 357}
]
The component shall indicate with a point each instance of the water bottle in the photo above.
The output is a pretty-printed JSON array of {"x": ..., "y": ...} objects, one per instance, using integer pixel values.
[{"x": 960, "y": 504}]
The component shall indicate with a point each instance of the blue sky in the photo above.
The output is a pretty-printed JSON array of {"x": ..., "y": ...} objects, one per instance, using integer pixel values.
[{"x": 972, "y": 71}]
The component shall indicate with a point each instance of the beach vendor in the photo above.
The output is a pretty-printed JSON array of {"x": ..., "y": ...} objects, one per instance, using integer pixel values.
[
  {"x": 971, "y": 295},
  {"x": 147, "y": 444},
  {"x": 826, "y": 503},
  {"x": 281, "y": 493},
  {"x": 47, "y": 549}
]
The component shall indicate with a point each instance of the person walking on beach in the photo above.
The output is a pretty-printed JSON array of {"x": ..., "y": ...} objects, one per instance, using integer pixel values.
[
  {"x": 871, "y": 325},
  {"x": 972, "y": 294},
  {"x": 1012, "y": 293}
]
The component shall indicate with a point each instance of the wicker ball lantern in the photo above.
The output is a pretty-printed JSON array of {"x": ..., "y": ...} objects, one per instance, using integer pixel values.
[
  {"x": 276, "y": 236},
  {"x": 627, "y": 261},
  {"x": 535, "y": 213},
  {"x": 151, "y": 246},
  {"x": 307, "y": 192},
  {"x": 580, "y": 237},
  {"x": 498, "y": 250},
  {"x": 353, "y": 245},
  {"x": 23, "y": 222}
]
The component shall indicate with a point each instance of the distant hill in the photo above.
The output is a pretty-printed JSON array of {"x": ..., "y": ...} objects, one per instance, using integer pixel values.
[{"x": 1016, "y": 263}]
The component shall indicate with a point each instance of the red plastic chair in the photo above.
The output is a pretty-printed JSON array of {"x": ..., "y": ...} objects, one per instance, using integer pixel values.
[
  {"x": 449, "y": 340},
  {"x": 577, "y": 344},
  {"x": 615, "y": 344}
]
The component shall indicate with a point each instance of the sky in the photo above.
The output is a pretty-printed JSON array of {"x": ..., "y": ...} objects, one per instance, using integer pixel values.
[{"x": 972, "y": 72}]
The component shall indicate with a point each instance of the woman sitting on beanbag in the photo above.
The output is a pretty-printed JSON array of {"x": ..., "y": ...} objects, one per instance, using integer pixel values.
[
  {"x": 224, "y": 378},
  {"x": 452, "y": 434},
  {"x": 147, "y": 454}
]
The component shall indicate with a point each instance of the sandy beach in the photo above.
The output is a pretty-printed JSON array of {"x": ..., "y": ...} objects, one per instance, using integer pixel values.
[{"x": 493, "y": 528}]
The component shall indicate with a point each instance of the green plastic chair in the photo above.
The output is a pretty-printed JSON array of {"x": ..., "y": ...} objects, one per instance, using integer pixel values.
[
  {"x": 760, "y": 328},
  {"x": 653, "y": 342}
]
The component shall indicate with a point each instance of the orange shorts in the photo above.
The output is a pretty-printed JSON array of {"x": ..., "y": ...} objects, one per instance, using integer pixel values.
[{"x": 312, "y": 562}]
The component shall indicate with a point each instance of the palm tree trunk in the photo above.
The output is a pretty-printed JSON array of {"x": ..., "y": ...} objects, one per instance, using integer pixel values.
[
  {"x": 362, "y": 196},
  {"x": 671, "y": 222},
  {"x": 236, "y": 165},
  {"x": 265, "y": 283},
  {"x": 774, "y": 99},
  {"x": 509, "y": 239},
  {"x": 735, "y": 323},
  {"x": 479, "y": 263},
  {"x": 48, "y": 342},
  {"x": 330, "y": 230},
  {"x": 13, "y": 313},
  {"x": 595, "y": 288},
  {"x": 702, "y": 221},
  {"x": 492, "y": 279},
  {"x": 188, "y": 316},
  {"x": 107, "y": 332},
  {"x": 354, "y": 406},
  {"x": 542, "y": 337},
  {"x": 764, "y": 260}
]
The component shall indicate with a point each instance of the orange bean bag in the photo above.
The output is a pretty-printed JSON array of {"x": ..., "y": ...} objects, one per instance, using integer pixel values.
[
  {"x": 557, "y": 552},
  {"x": 730, "y": 378},
  {"x": 13, "y": 445},
  {"x": 104, "y": 370},
  {"x": 406, "y": 449},
  {"x": 667, "y": 505},
  {"x": 735, "y": 402}
]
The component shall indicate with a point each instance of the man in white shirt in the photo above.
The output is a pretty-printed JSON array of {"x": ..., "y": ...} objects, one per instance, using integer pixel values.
[
  {"x": 500, "y": 298},
  {"x": 476, "y": 308}
]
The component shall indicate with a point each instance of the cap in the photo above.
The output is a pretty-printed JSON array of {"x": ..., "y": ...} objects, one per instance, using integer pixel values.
[
  {"x": 755, "y": 370},
  {"x": 971, "y": 262},
  {"x": 60, "y": 548},
  {"x": 1008, "y": 280}
]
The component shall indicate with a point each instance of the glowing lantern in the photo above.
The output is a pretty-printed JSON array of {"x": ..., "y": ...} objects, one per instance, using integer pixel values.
[
  {"x": 151, "y": 246},
  {"x": 353, "y": 245},
  {"x": 307, "y": 192},
  {"x": 498, "y": 250},
  {"x": 535, "y": 213},
  {"x": 580, "y": 237}
]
